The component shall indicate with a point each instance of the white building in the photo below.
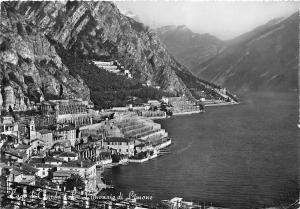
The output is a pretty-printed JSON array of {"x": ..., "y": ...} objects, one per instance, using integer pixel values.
[
  {"x": 148, "y": 83},
  {"x": 43, "y": 169},
  {"x": 128, "y": 74},
  {"x": 65, "y": 133},
  {"x": 53, "y": 161},
  {"x": 154, "y": 103},
  {"x": 67, "y": 156},
  {"x": 121, "y": 145},
  {"x": 8, "y": 125},
  {"x": 165, "y": 100},
  {"x": 109, "y": 66},
  {"x": 46, "y": 136},
  {"x": 32, "y": 130}
]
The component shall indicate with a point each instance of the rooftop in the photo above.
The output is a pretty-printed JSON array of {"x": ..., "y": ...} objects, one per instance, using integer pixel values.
[
  {"x": 36, "y": 160},
  {"x": 66, "y": 128},
  {"x": 79, "y": 163},
  {"x": 7, "y": 114},
  {"x": 37, "y": 140},
  {"x": 118, "y": 139},
  {"x": 15, "y": 153},
  {"x": 16, "y": 172},
  {"x": 61, "y": 173},
  {"x": 25, "y": 169},
  {"x": 67, "y": 154},
  {"x": 23, "y": 146},
  {"x": 44, "y": 131},
  {"x": 65, "y": 143},
  {"x": 52, "y": 159},
  {"x": 28, "y": 179},
  {"x": 143, "y": 144},
  {"x": 42, "y": 165},
  {"x": 28, "y": 168}
]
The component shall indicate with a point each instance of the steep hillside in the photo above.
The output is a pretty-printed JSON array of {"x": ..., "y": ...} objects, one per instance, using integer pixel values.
[
  {"x": 189, "y": 48},
  {"x": 71, "y": 36},
  {"x": 265, "y": 59},
  {"x": 31, "y": 70}
]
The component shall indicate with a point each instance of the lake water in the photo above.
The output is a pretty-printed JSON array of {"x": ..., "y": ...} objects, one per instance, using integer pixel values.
[{"x": 240, "y": 156}]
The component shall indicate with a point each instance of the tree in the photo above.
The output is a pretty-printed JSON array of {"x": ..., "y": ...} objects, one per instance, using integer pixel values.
[
  {"x": 11, "y": 111},
  {"x": 74, "y": 180},
  {"x": 61, "y": 91}
]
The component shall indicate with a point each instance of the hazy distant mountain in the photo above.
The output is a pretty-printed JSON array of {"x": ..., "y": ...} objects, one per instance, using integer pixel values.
[
  {"x": 265, "y": 58},
  {"x": 190, "y": 48}
]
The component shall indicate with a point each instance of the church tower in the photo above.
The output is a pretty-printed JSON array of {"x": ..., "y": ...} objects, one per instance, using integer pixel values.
[{"x": 32, "y": 130}]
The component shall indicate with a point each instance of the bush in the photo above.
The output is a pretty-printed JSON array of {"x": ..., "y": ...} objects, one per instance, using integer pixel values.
[
  {"x": 115, "y": 158},
  {"x": 74, "y": 181}
]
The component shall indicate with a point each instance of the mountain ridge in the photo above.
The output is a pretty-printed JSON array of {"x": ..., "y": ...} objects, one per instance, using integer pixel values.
[
  {"x": 84, "y": 32},
  {"x": 235, "y": 65},
  {"x": 263, "y": 59},
  {"x": 188, "y": 47}
]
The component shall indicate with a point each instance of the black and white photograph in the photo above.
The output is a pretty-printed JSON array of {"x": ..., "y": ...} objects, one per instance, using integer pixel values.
[{"x": 149, "y": 104}]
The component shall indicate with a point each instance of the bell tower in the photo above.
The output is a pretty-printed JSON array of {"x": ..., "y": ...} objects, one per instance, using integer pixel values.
[{"x": 32, "y": 130}]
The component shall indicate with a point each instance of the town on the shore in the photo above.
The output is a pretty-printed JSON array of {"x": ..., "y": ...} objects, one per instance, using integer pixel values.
[{"x": 62, "y": 146}]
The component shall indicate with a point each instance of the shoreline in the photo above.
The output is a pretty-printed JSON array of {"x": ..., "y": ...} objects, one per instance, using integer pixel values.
[
  {"x": 187, "y": 113},
  {"x": 221, "y": 104},
  {"x": 202, "y": 111}
]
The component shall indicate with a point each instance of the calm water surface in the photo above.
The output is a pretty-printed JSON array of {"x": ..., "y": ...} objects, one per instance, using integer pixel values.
[{"x": 241, "y": 156}]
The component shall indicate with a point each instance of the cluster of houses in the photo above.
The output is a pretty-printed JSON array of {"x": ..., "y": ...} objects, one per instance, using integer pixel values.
[
  {"x": 181, "y": 105},
  {"x": 116, "y": 68},
  {"x": 65, "y": 137},
  {"x": 149, "y": 83}
]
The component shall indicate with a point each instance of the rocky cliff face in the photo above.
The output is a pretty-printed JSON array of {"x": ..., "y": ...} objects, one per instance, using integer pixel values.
[
  {"x": 31, "y": 70},
  {"x": 83, "y": 30},
  {"x": 265, "y": 59},
  {"x": 189, "y": 48},
  {"x": 97, "y": 30}
]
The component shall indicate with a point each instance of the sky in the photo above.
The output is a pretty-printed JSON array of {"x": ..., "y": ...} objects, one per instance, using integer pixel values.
[{"x": 223, "y": 19}]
